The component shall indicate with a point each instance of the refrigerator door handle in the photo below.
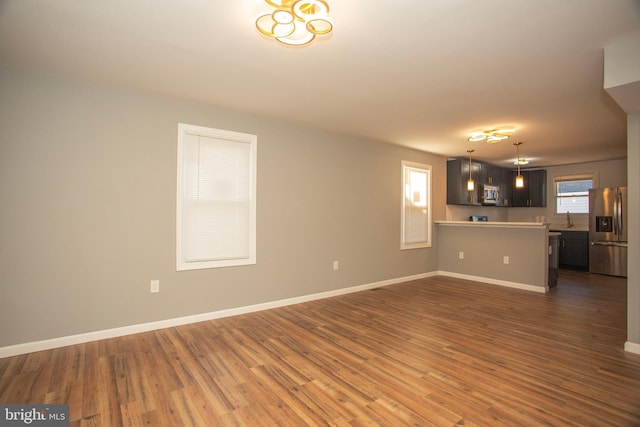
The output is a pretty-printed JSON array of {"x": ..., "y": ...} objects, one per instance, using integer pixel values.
[
  {"x": 615, "y": 213},
  {"x": 619, "y": 213},
  {"x": 604, "y": 243}
]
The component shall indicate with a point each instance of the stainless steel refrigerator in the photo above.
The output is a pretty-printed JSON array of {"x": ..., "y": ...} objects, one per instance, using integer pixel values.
[{"x": 608, "y": 231}]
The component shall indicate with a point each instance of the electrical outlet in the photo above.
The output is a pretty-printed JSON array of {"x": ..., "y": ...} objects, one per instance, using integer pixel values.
[
  {"x": 505, "y": 259},
  {"x": 460, "y": 255},
  {"x": 155, "y": 286},
  {"x": 336, "y": 265}
]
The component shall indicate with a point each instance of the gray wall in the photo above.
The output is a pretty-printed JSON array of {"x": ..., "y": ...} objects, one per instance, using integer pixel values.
[
  {"x": 88, "y": 183},
  {"x": 484, "y": 247},
  {"x": 622, "y": 83},
  {"x": 633, "y": 279}
]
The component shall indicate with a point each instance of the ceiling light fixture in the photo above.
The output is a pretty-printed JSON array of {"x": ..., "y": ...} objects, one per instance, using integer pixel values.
[
  {"x": 295, "y": 22},
  {"x": 470, "y": 183},
  {"x": 521, "y": 162},
  {"x": 492, "y": 135},
  {"x": 519, "y": 178}
]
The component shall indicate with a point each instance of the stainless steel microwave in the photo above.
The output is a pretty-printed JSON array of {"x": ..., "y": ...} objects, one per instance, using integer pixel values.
[{"x": 490, "y": 194}]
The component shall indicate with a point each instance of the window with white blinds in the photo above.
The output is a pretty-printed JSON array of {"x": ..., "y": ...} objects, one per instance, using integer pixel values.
[
  {"x": 216, "y": 198},
  {"x": 416, "y": 206},
  {"x": 572, "y": 193}
]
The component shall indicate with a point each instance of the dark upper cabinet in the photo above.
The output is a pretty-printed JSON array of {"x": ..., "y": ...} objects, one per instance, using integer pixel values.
[
  {"x": 493, "y": 175},
  {"x": 457, "y": 177},
  {"x": 534, "y": 192},
  {"x": 538, "y": 189},
  {"x": 482, "y": 174},
  {"x": 520, "y": 196},
  {"x": 501, "y": 178}
]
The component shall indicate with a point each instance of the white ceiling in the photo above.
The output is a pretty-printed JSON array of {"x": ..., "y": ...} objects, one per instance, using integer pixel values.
[{"x": 419, "y": 73}]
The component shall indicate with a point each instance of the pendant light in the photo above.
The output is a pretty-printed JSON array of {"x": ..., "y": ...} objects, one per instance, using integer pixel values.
[
  {"x": 470, "y": 184},
  {"x": 519, "y": 178}
]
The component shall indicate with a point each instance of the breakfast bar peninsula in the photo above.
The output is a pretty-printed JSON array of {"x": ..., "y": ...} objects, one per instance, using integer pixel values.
[{"x": 513, "y": 254}]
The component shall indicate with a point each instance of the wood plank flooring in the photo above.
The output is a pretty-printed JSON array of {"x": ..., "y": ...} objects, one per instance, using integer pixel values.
[{"x": 432, "y": 352}]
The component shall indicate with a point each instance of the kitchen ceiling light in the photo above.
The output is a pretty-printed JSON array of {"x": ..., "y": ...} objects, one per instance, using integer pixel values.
[
  {"x": 295, "y": 22},
  {"x": 492, "y": 135},
  {"x": 521, "y": 162},
  {"x": 470, "y": 183},
  {"x": 519, "y": 178}
]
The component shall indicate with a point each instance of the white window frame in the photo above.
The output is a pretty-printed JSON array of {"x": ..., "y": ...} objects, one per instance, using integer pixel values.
[
  {"x": 224, "y": 137},
  {"x": 416, "y": 207},
  {"x": 565, "y": 178}
]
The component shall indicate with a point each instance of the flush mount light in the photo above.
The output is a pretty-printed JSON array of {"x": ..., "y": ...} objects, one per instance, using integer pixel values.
[
  {"x": 295, "y": 22},
  {"x": 521, "y": 162},
  {"x": 492, "y": 135}
]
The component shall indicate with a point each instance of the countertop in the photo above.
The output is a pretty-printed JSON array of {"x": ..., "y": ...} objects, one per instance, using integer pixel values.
[
  {"x": 507, "y": 224},
  {"x": 495, "y": 224}
]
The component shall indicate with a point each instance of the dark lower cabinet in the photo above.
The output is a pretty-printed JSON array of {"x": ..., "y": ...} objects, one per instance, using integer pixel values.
[{"x": 574, "y": 250}]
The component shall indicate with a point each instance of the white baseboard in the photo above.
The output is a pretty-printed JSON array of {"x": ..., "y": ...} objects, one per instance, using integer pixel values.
[
  {"x": 523, "y": 286},
  {"x": 14, "y": 350},
  {"x": 632, "y": 347}
]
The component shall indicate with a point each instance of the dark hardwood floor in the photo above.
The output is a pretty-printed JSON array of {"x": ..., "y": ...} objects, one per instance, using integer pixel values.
[{"x": 432, "y": 352}]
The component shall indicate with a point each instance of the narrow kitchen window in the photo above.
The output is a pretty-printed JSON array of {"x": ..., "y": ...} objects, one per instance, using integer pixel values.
[
  {"x": 572, "y": 193},
  {"x": 216, "y": 198},
  {"x": 416, "y": 205}
]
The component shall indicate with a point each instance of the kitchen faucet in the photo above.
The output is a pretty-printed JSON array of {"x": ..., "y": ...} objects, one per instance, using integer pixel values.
[{"x": 569, "y": 220}]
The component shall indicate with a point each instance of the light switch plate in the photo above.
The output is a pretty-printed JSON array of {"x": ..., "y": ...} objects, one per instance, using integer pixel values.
[{"x": 155, "y": 286}]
